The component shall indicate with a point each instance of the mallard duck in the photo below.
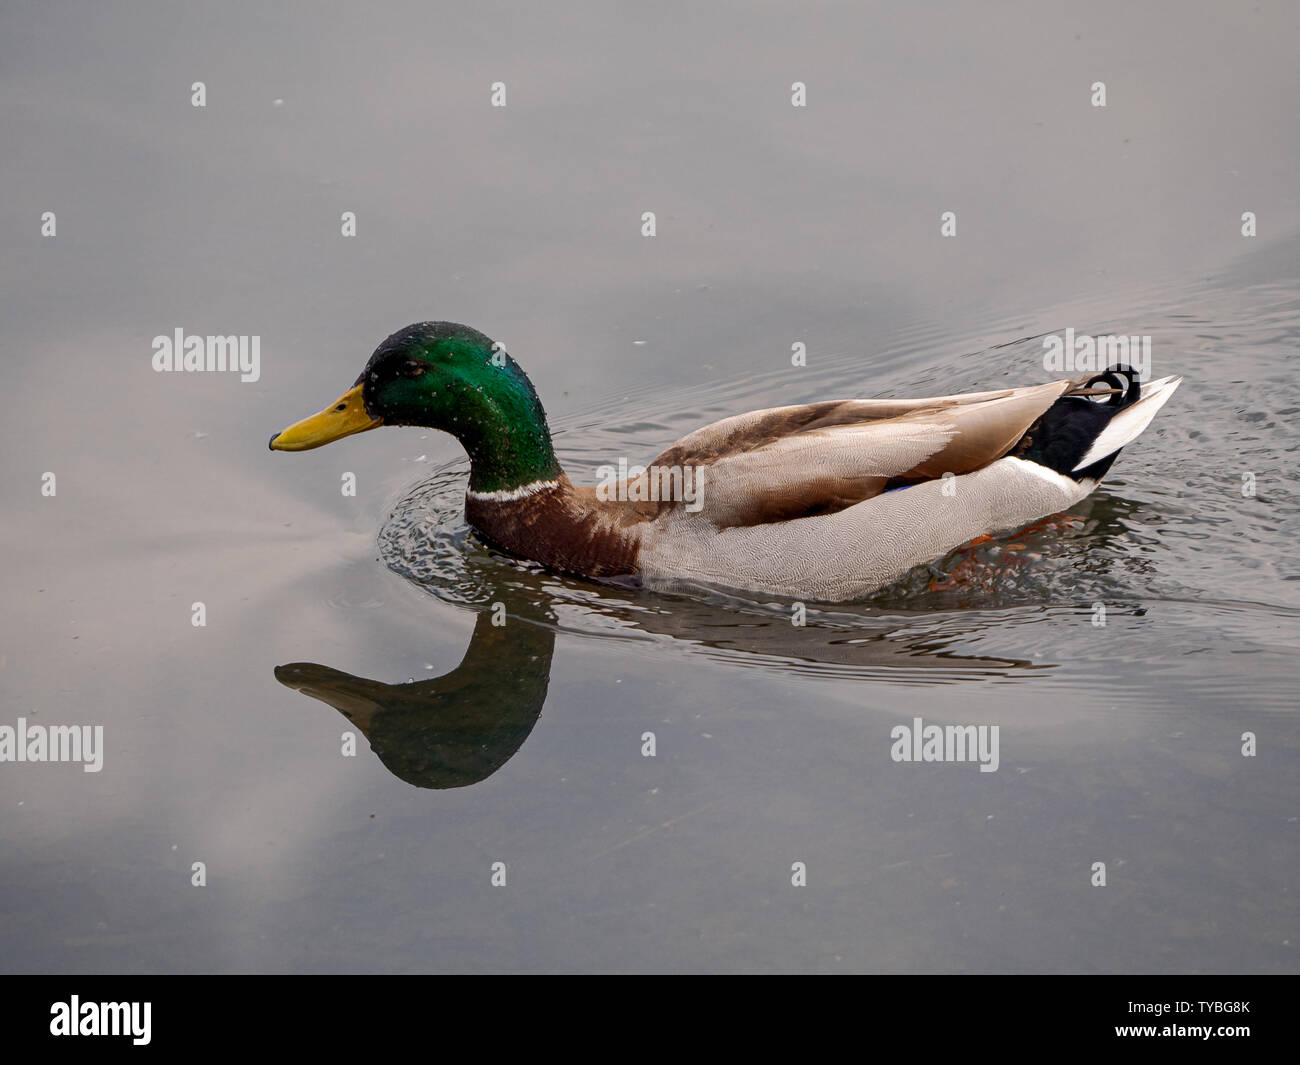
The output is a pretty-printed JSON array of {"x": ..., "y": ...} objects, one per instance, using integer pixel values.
[{"x": 823, "y": 501}]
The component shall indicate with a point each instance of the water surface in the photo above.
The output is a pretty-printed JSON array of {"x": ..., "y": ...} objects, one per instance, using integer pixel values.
[{"x": 1119, "y": 744}]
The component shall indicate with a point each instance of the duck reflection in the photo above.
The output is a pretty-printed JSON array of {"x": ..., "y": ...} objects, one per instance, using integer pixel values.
[
  {"x": 460, "y": 728},
  {"x": 456, "y": 729}
]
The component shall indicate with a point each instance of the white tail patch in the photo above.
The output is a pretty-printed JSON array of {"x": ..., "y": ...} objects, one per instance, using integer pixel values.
[{"x": 1129, "y": 423}]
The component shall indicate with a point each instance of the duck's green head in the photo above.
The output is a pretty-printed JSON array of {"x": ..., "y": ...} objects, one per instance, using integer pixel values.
[{"x": 450, "y": 377}]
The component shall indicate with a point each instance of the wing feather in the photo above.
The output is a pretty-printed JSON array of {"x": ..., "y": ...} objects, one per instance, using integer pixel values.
[{"x": 789, "y": 462}]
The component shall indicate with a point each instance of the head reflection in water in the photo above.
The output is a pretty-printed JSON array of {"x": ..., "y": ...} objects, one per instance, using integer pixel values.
[{"x": 454, "y": 730}]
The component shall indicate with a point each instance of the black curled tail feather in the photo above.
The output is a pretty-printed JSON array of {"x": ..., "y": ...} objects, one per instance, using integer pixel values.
[
  {"x": 1061, "y": 437},
  {"x": 1124, "y": 379}
]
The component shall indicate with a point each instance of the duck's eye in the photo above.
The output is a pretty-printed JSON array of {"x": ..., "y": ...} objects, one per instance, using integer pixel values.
[{"x": 411, "y": 368}]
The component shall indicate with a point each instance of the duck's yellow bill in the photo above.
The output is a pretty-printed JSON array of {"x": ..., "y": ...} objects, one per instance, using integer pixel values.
[{"x": 346, "y": 416}]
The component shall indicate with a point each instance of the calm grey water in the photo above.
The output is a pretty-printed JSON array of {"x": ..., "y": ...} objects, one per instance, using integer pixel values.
[{"x": 1119, "y": 744}]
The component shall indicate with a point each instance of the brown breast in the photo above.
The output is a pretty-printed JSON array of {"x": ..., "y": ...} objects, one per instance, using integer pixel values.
[{"x": 563, "y": 528}]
